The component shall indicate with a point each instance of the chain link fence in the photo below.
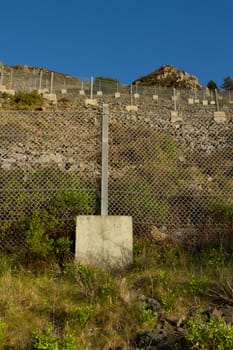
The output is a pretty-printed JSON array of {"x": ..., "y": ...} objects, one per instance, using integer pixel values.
[
  {"x": 24, "y": 78},
  {"x": 174, "y": 179}
]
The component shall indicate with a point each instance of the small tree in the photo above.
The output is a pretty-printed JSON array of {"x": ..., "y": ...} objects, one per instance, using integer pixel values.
[
  {"x": 212, "y": 85},
  {"x": 227, "y": 83}
]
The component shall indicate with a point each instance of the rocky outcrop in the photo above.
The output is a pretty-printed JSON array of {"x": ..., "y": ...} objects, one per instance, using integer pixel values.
[{"x": 169, "y": 76}]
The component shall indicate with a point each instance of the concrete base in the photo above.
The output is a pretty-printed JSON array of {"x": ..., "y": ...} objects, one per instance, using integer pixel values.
[
  {"x": 91, "y": 102},
  {"x": 43, "y": 91},
  {"x": 105, "y": 241},
  {"x": 212, "y": 102},
  {"x": 136, "y": 95},
  {"x": 82, "y": 92},
  {"x": 196, "y": 100},
  {"x": 205, "y": 102},
  {"x": 175, "y": 117},
  {"x": 220, "y": 117},
  {"x": 117, "y": 95},
  {"x": 131, "y": 108},
  {"x": 155, "y": 98},
  {"x": 99, "y": 93},
  {"x": 50, "y": 97},
  {"x": 190, "y": 101},
  {"x": 63, "y": 91}
]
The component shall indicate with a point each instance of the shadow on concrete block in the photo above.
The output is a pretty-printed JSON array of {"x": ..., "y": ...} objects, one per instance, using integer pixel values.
[{"x": 105, "y": 241}]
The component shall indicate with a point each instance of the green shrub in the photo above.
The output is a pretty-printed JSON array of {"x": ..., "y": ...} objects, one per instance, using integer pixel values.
[
  {"x": 44, "y": 210},
  {"x": 24, "y": 100},
  {"x": 210, "y": 335}
]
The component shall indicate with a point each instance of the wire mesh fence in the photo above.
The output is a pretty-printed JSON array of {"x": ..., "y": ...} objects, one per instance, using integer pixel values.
[
  {"x": 23, "y": 78},
  {"x": 168, "y": 187},
  {"x": 172, "y": 179},
  {"x": 49, "y": 169}
]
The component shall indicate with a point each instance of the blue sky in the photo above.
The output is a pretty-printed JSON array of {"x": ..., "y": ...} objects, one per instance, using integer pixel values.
[{"x": 123, "y": 39}]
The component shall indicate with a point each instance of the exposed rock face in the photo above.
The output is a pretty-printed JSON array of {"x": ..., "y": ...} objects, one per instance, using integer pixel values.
[{"x": 169, "y": 76}]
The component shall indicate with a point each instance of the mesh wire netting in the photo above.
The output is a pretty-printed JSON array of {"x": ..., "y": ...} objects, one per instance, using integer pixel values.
[
  {"x": 169, "y": 180},
  {"x": 49, "y": 168}
]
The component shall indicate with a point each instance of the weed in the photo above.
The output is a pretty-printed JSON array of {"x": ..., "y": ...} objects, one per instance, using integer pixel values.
[{"x": 211, "y": 335}]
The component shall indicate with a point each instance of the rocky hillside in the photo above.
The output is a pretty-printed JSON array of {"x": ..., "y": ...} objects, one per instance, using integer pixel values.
[{"x": 169, "y": 76}]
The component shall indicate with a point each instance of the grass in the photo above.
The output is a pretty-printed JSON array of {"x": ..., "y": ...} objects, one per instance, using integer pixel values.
[{"x": 48, "y": 306}]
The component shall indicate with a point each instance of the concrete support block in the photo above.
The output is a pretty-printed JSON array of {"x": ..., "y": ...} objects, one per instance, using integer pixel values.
[
  {"x": 10, "y": 92},
  {"x": 175, "y": 117},
  {"x": 99, "y": 93},
  {"x": 105, "y": 241},
  {"x": 90, "y": 102},
  {"x": 43, "y": 91},
  {"x": 220, "y": 117},
  {"x": 50, "y": 97},
  {"x": 212, "y": 102},
  {"x": 155, "y": 98},
  {"x": 136, "y": 95},
  {"x": 197, "y": 100},
  {"x": 131, "y": 108},
  {"x": 190, "y": 101},
  {"x": 63, "y": 91},
  {"x": 205, "y": 102},
  {"x": 82, "y": 92},
  {"x": 117, "y": 95}
]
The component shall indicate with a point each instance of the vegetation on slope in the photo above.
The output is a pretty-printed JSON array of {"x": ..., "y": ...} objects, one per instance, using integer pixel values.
[{"x": 46, "y": 306}]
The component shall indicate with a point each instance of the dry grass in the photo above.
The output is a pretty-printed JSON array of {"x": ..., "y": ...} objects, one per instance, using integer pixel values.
[{"x": 100, "y": 309}]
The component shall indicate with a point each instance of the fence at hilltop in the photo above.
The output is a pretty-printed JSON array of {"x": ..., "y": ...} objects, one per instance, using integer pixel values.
[{"x": 25, "y": 79}]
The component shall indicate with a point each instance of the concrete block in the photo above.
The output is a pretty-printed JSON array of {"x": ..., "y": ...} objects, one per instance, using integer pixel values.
[
  {"x": 99, "y": 93},
  {"x": 50, "y": 97},
  {"x": 197, "y": 100},
  {"x": 117, "y": 94},
  {"x": 155, "y": 98},
  {"x": 10, "y": 92},
  {"x": 90, "y": 101},
  {"x": 43, "y": 91},
  {"x": 82, "y": 92},
  {"x": 220, "y": 117},
  {"x": 136, "y": 95},
  {"x": 205, "y": 102},
  {"x": 131, "y": 108},
  {"x": 212, "y": 102},
  {"x": 190, "y": 101},
  {"x": 175, "y": 117},
  {"x": 63, "y": 91},
  {"x": 104, "y": 241}
]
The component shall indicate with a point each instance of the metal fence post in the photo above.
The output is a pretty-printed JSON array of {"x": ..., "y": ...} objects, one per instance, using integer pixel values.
[
  {"x": 51, "y": 83},
  {"x": 174, "y": 97},
  {"x": 104, "y": 176}
]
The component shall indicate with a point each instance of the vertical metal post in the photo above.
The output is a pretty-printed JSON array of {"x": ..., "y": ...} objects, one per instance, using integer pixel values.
[
  {"x": 1, "y": 77},
  {"x": 51, "y": 83},
  {"x": 174, "y": 97},
  {"x": 11, "y": 79},
  {"x": 104, "y": 176},
  {"x": 40, "y": 84},
  {"x": 131, "y": 94},
  {"x": 92, "y": 81},
  {"x": 216, "y": 99}
]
